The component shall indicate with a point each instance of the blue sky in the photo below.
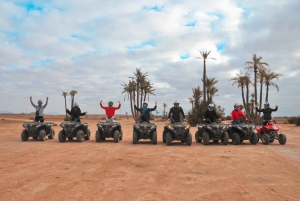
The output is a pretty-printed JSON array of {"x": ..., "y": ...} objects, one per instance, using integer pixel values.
[{"x": 47, "y": 47}]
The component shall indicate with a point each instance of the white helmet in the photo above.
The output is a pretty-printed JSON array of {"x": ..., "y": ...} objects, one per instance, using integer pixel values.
[
  {"x": 76, "y": 105},
  {"x": 236, "y": 106},
  {"x": 211, "y": 107},
  {"x": 176, "y": 103}
]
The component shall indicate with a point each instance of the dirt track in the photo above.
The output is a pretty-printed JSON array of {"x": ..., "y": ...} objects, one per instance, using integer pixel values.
[{"x": 51, "y": 170}]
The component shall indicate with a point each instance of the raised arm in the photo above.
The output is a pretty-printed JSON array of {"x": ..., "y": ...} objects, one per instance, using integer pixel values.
[
  {"x": 102, "y": 105},
  {"x": 136, "y": 108},
  {"x": 118, "y": 106},
  {"x": 152, "y": 109},
  {"x": 274, "y": 110},
  {"x": 68, "y": 111},
  {"x": 32, "y": 102},
  {"x": 46, "y": 102}
]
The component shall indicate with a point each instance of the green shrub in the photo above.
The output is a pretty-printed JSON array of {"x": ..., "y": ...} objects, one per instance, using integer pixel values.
[{"x": 294, "y": 120}]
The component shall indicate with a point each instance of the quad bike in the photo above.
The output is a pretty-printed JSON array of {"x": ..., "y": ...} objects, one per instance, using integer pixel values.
[
  {"x": 144, "y": 130},
  {"x": 177, "y": 131},
  {"x": 211, "y": 131},
  {"x": 242, "y": 131},
  {"x": 74, "y": 129},
  {"x": 109, "y": 130},
  {"x": 269, "y": 132},
  {"x": 37, "y": 130}
]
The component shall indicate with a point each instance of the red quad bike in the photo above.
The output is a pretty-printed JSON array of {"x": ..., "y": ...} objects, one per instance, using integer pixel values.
[{"x": 268, "y": 133}]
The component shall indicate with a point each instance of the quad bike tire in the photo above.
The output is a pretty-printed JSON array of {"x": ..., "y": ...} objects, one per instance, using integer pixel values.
[
  {"x": 163, "y": 138},
  {"x": 121, "y": 136},
  {"x": 189, "y": 139},
  {"x": 282, "y": 139},
  {"x": 205, "y": 138},
  {"x": 24, "y": 135},
  {"x": 225, "y": 138},
  {"x": 235, "y": 139},
  {"x": 254, "y": 138},
  {"x": 265, "y": 138},
  {"x": 61, "y": 136},
  {"x": 116, "y": 136},
  {"x": 88, "y": 136},
  {"x": 80, "y": 136},
  {"x": 42, "y": 135},
  {"x": 97, "y": 136},
  {"x": 134, "y": 138},
  {"x": 197, "y": 137},
  {"x": 52, "y": 134},
  {"x": 168, "y": 139},
  {"x": 154, "y": 137}
]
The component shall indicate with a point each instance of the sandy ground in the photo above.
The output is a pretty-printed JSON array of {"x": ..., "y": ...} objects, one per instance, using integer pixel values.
[{"x": 51, "y": 170}]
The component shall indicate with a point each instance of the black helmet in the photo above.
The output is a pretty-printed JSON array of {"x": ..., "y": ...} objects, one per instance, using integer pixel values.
[
  {"x": 110, "y": 103},
  {"x": 266, "y": 105},
  {"x": 236, "y": 106},
  {"x": 145, "y": 104}
]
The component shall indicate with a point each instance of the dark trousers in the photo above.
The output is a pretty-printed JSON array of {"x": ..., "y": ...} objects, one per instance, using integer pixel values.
[{"x": 39, "y": 118}]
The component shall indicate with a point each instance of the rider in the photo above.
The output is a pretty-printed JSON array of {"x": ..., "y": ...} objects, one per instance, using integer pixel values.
[
  {"x": 267, "y": 111},
  {"x": 236, "y": 114},
  {"x": 110, "y": 110},
  {"x": 39, "y": 109},
  {"x": 211, "y": 115},
  {"x": 75, "y": 113},
  {"x": 175, "y": 111},
  {"x": 145, "y": 111}
]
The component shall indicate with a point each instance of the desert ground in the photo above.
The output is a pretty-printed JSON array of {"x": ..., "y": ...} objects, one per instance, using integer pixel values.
[{"x": 50, "y": 170}]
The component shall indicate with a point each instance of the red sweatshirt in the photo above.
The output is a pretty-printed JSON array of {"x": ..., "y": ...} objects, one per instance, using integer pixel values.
[
  {"x": 110, "y": 111},
  {"x": 236, "y": 114}
]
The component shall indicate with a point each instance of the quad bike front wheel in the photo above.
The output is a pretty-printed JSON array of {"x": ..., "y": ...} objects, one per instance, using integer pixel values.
[
  {"x": 265, "y": 138},
  {"x": 205, "y": 138},
  {"x": 134, "y": 138},
  {"x": 225, "y": 138},
  {"x": 235, "y": 139},
  {"x": 189, "y": 139},
  {"x": 80, "y": 136},
  {"x": 97, "y": 136},
  {"x": 197, "y": 137},
  {"x": 61, "y": 136},
  {"x": 282, "y": 139},
  {"x": 254, "y": 138},
  {"x": 154, "y": 137},
  {"x": 42, "y": 135},
  {"x": 116, "y": 136},
  {"x": 52, "y": 134},
  {"x": 168, "y": 139},
  {"x": 88, "y": 135},
  {"x": 24, "y": 135}
]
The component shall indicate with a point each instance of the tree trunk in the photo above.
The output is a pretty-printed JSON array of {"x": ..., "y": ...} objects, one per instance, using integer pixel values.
[
  {"x": 255, "y": 87},
  {"x": 267, "y": 93},
  {"x": 204, "y": 80},
  {"x": 72, "y": 101},
  {"x": 243, "y": 97},
  {"x": 260, "y": 98},
  {"x": 66, "y": 106},
  {"x": 138, "y": 94},
  {"x": 247, "y": 99},
  {"x": 131, "y": 102}
]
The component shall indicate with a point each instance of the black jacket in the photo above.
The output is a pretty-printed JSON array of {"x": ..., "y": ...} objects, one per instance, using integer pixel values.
[
  {"x": 267, "y": 112},
  {"x": 75, "y": 112},
  {"x": 211, "y": 115},
  {"x": 175, "y": 111},
  {"x": 146, "y": 115}
]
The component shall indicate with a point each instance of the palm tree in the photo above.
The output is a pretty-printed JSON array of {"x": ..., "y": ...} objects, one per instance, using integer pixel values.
[
  {"x": 247, "y": 83},
  {"x": 129, "y": 90},
  {"x": 211, "y": 90},
  {"x": 73, "y": 93},
  {"x": 204, "y": 56},
  {"x": 64, "y": 94},
  {"x": 261, "y": 77},
  {"x": 255, "y": 65},
  {"x": 197, "y": 93},
  {"x": 165, "y": 105},
  {"x": 269, "y": 76},
  {"x": 240, "y": 81},
  {"x": 192, "y": 102}
]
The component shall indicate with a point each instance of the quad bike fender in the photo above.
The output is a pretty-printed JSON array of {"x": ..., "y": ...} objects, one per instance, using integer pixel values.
[
  {"x": 258, "y": 130},
  {"x": 279, "y": 127}
]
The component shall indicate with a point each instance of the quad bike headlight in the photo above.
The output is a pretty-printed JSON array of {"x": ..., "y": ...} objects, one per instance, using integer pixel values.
[
  {"x": 25, "y": 125},
  {"x": 62, "y": 125},
  {"x": 38, "y": 125},
  {"x": 137, "y": 127}
]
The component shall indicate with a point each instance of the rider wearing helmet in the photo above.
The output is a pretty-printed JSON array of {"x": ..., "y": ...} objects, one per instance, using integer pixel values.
[
  {"x": 175, "y": 111},
  {"x": 236, "y": 114},
  {"x": 75, "y": 113},
  {"x": 267, "y": 111},
  {"x": 211, "y": 115},
  {"x": 39, "y": 109},
  {"x": 145, "y": 111},
  {"x": 110, "y": 110}
]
